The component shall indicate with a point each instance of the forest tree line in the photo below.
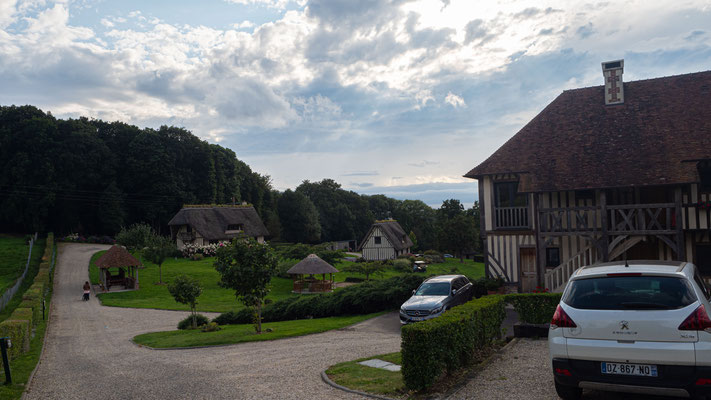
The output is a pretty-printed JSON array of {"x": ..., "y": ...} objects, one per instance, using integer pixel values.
[{"x": 93, "y": 177}]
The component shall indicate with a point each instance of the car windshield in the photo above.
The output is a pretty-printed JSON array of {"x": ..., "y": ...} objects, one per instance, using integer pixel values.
[
  {"x": 630, "y": 293},
  {"x": 433, "y": 289}
]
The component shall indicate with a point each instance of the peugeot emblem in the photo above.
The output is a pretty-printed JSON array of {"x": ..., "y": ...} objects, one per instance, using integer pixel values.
[{"x": 624, "y": 325}]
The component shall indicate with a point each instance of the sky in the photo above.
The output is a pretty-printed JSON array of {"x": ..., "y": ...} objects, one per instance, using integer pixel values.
[{"x": 394, "y": 97}]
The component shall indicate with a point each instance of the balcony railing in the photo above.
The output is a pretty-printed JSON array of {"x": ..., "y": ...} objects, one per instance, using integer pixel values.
[
  {"x": 616, "y": 219},
  {"x": 511, "y": 218}
]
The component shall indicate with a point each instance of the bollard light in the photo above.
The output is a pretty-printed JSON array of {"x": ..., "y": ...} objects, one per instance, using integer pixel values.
[{"x": 9, "y": 343}]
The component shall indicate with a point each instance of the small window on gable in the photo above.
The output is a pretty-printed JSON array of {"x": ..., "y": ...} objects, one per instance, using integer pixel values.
[
  {"x": 552, "y": 257},
  {"x": 377, "y": 239},
  {"x": 704, "y": 168}
]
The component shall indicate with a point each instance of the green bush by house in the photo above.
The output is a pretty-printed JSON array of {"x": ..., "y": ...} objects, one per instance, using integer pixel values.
[
  {"x": 365, "y": 298},
  {"x": 534, "y": 308},
  {"x": 449, "y": 342}
]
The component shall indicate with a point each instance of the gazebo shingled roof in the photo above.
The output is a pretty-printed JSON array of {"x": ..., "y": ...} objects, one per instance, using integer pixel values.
[
  {"x": 117, "y": 257},
  {"x": 312, "y": 264}
]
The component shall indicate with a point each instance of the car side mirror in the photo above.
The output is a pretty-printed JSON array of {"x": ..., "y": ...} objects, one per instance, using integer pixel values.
[
  {"x": 454, "y": 291},
  {"x": 413, "y": 292}
]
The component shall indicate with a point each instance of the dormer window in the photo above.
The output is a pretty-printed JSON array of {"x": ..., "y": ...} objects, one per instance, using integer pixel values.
[{"x": 234, "y": 228}]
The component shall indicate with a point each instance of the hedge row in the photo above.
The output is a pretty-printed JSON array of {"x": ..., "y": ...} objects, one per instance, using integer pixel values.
[
  {"x": 364, "y": 298},
  {"x": 18, "y": 326},
  {"x": 449, "y": 342},
  {"x": 534, "y": 308}
]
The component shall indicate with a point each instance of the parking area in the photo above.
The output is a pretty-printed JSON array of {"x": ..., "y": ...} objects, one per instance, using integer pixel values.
[{"x": 522, "y": 371}]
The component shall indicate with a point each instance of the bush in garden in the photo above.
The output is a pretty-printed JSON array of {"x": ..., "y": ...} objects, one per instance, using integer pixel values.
[
  {"x": 364, "y": 298},
  {"x": 210, "y": 327},
  {"x": 403, "y": 265},
  {"x": 187, "y": 323},
  {"x": 284, "y": 266},
  {"x": 534, "y": 308}
]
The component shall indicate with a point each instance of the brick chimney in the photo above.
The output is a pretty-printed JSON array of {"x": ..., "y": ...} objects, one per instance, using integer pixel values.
[{"x": 614, "y": 89}]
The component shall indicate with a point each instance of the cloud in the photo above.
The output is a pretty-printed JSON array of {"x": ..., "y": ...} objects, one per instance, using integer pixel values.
[
  {"x": 361, "y": 173},
  {"x": 278, "y": 4},
  {"x": 243, "y": 25},
  {"x": 585, "y": 31},
  {"x": 423, "y": 164},
  {"x": 475, "y": 30},
  {"x": 361, "y": 185},
  {"x": 454, "y": 100}
]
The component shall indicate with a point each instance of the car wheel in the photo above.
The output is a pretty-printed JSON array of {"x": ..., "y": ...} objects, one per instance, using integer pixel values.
[{"x": 568, "y": 392}]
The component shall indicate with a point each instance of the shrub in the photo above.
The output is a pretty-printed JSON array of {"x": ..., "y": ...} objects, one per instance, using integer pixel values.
[
  {"x": 19, "y": 333},
  {"x": 187, "y": 323},
  {"x": 196, "y": 257},
  {"x": 479, "y": 286},
  {"x": 365, "y": 298},
  {"x": 450, "y": 341},
  {"x": 36, "y": 306},
  {"x": 284, "y": 266},
  {"x": 210, "y": 327},
  {"x": 403, "y": 265},
  {"x": 353, "y": 279},
  {"x": 23, "y": 313},
  {"x": 534, "y": 308}
]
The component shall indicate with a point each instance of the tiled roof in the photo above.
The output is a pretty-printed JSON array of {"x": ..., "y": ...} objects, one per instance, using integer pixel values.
[
  {"x": 577, "y": 142},
  {"x": 116, "y": 257}
]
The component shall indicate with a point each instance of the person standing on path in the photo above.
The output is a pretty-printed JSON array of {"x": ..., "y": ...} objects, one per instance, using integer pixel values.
[{"x": 87, "y": 290}]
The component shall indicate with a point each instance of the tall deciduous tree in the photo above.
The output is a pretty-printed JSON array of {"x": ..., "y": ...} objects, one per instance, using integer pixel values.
[
  {"x": 299, "y": 218},
  {"x": 135, "y": 237},
  {"x": 186, "y": 290},
  {"x": 247, "y": 267}
]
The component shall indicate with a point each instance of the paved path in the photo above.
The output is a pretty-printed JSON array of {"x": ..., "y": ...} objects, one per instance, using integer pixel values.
[{"x": 89, "y": 353}]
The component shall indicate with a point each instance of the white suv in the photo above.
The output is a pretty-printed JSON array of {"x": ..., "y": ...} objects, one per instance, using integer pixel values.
[{"x": 641, "y": 327}]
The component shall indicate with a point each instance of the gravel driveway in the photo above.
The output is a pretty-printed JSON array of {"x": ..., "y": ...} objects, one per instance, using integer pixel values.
[
  {"x": 522, "y": 371},
  {"x": 89, "y": 353}
]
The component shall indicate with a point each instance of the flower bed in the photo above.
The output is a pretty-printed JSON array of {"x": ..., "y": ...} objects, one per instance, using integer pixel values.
[{"x": 209, "y": 250}]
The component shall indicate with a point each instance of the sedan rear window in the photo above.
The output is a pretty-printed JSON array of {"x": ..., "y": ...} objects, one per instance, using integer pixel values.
[
  {"x": 433, "y": 289},
  {"x": 630, "y": 293}
]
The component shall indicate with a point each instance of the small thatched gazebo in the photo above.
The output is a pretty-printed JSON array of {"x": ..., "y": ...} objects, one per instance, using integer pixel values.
[
  {"x": 312, "y": 265},
  {"x": 127, "y": 265}
]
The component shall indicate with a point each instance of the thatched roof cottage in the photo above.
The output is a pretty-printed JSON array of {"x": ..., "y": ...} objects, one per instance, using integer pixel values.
[{"x": 206, "y": 224}]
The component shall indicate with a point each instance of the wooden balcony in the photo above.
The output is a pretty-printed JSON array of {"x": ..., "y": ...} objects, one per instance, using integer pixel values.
[
  {"x": 637, "y": 219},
  {"x": 511, "y": 218}
]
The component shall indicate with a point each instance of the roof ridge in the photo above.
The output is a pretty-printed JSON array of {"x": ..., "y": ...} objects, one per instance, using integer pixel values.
[{"x": 642, "y": 80}]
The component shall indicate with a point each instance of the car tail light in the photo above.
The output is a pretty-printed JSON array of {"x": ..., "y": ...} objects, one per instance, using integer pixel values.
[
  {"x": 561, "y": 319},
  {"x": 697, "y": 321},
  {"x": 565, "y": 372},
  {"x": 703, "y": 381}
]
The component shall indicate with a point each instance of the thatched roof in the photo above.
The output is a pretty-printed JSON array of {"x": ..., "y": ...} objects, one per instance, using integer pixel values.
[
  {"x": 117, "y": 257},
  {"x": 578, "y": 142},
  {"x": 312, "y": 264},
  {"x": 393, "y": 233},
  {"x": 212, "y": 222}
]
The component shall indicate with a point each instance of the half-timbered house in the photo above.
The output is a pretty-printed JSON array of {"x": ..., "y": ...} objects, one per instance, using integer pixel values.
[
  {"x": 612, "y": 172},
  {"x": 385, "y": 240},
  {"x": 207, "y": 224}
]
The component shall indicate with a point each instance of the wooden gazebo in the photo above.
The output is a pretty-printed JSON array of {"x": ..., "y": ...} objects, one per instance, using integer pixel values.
[
  {"x": 312, "y": 265},
  {"x": 127, "y": 265}
]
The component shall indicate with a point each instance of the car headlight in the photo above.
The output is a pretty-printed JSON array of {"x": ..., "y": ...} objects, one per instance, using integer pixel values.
[
  {"x": 402, "y": 310},
  {"x": 437, "y": 310}
]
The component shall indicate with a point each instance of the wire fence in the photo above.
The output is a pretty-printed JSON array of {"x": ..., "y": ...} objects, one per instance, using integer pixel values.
[{"x": 7, "y": 296}]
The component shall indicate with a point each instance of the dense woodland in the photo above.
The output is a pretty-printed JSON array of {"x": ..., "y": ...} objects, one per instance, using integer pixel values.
[{"x": 93, "y": 177}]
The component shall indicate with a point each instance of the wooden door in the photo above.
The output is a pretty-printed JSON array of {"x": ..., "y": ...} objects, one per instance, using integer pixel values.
[{"x": 528, "y": 269}]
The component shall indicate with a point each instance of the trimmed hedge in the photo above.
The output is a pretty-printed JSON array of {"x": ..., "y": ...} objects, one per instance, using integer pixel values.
[
  {"x": 19, "y": 333},
  {"x": 36, "y": 306},
  {"x": 364, "y": 298},
  {"x": 449, "y": 342},
  {"x": 534, "y": 308},
  {"x": 23, "y": 314}
]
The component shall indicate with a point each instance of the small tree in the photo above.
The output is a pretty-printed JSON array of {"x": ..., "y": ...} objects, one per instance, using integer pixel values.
[
  {"x": 186, "y": 290},
  {"x": 366, "y": 268},
  {"x": 247, "y": 267},
  {"x": 135, "y": 237},
  {"x": 159, "y": 248}
]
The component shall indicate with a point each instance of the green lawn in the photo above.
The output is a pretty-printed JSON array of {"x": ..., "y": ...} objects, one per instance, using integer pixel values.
[
  {"x": 13, "y": 256},
  {"x": 217, "y": 299},
  {"x": 230, "y": 334},
  {"x": 368, "y": 379}
]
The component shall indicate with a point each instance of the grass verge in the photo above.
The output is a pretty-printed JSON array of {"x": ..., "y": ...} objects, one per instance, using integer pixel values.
[
  {"x": 231, "y": 334},
  {"x": 368, "y": 379}
]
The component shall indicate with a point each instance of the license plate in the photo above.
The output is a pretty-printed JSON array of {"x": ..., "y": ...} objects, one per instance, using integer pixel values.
[
  {"x": 628, "y": 369},
  {"x": 416, "y": 318}
]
